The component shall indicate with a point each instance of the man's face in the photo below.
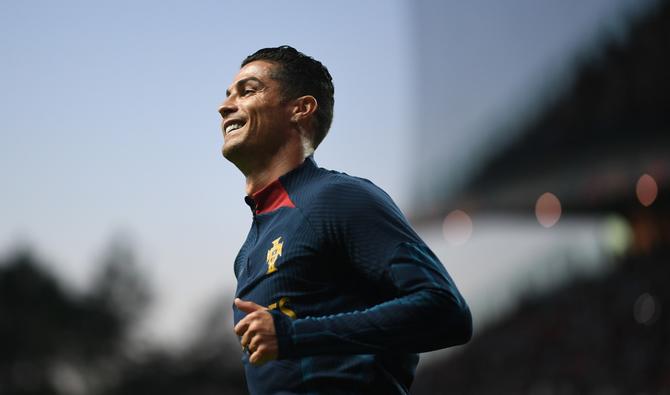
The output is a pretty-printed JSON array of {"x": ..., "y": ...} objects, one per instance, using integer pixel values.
[{"x": 255, "y": 120}]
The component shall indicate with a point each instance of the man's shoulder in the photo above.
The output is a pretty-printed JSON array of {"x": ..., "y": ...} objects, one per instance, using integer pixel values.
[
  {"x": 335, "y": 192},
  {"x": 332, "y": 184},
  {"x": 312, "y": 181}
]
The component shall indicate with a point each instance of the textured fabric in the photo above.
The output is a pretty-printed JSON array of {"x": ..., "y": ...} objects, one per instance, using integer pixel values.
[{"x": 354, "y": 292}]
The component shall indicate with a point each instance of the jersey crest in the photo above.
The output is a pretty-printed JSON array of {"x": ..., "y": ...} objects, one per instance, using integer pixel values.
[{"x": 273, "y": 254}]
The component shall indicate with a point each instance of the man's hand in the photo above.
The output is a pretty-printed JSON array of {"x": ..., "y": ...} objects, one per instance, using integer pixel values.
[{"x": 257, "y": 329}]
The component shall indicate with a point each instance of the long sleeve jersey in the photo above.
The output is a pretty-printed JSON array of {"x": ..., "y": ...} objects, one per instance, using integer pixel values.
[{"x": 354, "y": 293}]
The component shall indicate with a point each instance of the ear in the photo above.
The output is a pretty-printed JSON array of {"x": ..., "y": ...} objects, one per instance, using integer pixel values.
[{"x": 304, "y": 108}]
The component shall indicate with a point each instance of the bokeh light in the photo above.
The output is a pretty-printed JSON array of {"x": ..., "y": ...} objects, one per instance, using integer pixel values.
[
  {"x": 646, "y": 190},
  {"x": 457, "y": 227},
  {"x": 617, "y": 235},
  {"x": 646, "y": 309},
  {"x": 548, "y": 210}
]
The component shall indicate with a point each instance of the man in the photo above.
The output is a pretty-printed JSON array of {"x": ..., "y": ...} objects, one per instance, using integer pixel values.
[{"x": 336, "y": 293}]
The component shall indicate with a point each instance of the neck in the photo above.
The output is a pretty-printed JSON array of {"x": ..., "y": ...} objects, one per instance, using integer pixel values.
[{"x": 287, "y": 158}]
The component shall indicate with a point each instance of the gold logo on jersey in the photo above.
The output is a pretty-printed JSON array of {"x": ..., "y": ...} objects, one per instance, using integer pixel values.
[{"x": 273, "y": 254}]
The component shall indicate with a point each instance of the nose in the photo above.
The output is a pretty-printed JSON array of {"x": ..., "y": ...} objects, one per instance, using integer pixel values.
[{"x": 228, "y": 107}]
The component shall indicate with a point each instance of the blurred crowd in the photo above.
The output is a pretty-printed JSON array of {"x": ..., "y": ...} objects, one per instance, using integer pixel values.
[
  {"x": 608, "y": 333},
  {"x": 597, "y": 335}
]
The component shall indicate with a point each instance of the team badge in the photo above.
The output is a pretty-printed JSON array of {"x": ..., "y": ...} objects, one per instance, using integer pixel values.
[{"x": 273, "y": 254}]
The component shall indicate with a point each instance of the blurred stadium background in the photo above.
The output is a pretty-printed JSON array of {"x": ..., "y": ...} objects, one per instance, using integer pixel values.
[{"x": 527, "y": 142}]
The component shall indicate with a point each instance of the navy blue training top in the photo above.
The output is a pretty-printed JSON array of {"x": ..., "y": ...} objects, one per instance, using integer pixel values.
[{"x": 354, "y": 292}]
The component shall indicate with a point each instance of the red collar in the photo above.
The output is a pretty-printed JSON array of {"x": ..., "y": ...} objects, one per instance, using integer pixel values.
[{"x": 270, "y": 198}]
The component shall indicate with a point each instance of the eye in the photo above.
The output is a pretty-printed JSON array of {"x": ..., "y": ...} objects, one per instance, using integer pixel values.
[{"x": 247, "y": 91}]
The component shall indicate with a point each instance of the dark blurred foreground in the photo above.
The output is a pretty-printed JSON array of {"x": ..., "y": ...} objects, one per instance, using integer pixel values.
[
  {"x": 604, "y": 335},
  {"x": 54, "y": 340}
]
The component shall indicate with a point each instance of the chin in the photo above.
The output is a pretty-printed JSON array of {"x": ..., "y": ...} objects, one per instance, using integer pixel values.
[
  {"x": 226, "y": 151},
  {"x": 232, "y": 152}
]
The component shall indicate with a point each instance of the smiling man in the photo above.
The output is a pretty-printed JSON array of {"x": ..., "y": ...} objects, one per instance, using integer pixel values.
[{"x": 335, "y": 291}]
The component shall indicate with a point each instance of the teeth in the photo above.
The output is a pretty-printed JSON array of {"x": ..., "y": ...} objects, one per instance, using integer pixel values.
[{"x": 233, "y": 126}]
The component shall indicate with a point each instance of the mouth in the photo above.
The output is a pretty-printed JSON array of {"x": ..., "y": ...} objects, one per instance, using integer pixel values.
[{"x": 232, "y": 125}]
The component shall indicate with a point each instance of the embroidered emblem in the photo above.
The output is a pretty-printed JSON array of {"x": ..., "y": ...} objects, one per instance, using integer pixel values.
[{"x": 273, "y": 254}]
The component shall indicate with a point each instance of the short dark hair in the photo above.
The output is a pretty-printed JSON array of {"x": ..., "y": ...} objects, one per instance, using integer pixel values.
[{"x": 301, "y": 75}]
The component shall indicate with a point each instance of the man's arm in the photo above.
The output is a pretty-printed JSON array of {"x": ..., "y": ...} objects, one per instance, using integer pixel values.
[
  {"x": 427, "y": 312},
  {"x": 431, "y": 314}
]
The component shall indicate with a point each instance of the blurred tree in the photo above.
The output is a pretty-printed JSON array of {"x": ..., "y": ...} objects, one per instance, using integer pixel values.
[
  {"x": 210, "y": 364},
  {"x": 50, "y": 338},
  {"x": 120, "y": 286},
  {"x": 54, "y": 340}
]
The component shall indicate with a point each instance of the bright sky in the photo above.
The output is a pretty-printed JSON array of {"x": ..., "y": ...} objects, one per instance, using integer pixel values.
[
  {"x": 108, "y": 118},
  {"x": 109, "y": 123}
]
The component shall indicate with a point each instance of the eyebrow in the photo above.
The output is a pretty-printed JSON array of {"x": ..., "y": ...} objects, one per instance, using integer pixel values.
[{"x": 244, "y": 81}]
